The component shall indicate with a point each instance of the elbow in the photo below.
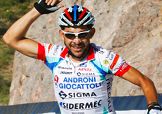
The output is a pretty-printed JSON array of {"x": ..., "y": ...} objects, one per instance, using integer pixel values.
[
  {"x": 147, "y": 82},
  {"x": 6, "y": 39}
]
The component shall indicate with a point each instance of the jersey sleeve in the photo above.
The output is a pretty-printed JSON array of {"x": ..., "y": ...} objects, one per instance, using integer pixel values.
[
  {"x": 46, "y": 51},
  {"x": 41, "y": 52},
  {"x": 118, "y": 65},
  {"x": 49, "y": 54}
]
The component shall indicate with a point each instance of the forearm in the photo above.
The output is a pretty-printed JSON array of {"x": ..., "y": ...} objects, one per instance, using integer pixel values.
[
  {"x": 15, "y": 36},
  {"x": 149, "y": 91},
  {"x": 137, "y": 78},
  {"x": 18, "y": 30}
]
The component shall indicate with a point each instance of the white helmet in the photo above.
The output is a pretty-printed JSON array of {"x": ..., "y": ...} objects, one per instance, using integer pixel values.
[{"x": 76, "y": 16}]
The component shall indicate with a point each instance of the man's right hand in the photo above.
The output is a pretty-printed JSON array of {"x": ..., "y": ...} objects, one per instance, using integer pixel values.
[
  {"x": 154, "y": 108},
  {"x": 47, "y": 6}
]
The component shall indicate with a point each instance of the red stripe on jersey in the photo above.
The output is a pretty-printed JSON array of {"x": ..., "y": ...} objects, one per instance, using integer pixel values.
[
  {"x": 41, "y": 52},
  {"x": 122, "y": 70},
  {"x": 114, "y": 61},
  {"x": 68, "y": 15},
  {"x": 91, "y": 54},
  {"x": 64, "y": 52},
  {"x": 49, "y": 47},
  {"x": 83, "y": 13}
]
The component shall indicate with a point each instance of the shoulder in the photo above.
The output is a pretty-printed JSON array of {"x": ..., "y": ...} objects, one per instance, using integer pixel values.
[
  {"x": 102, "y": 52},
  {"x": 52, "y": 49},
  {"x": 107, "y": 58},
  {"x": 111, "y": 60}
]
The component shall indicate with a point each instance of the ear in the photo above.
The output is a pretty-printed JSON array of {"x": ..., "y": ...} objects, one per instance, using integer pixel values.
[
  {"x": 61, "y": 34},
  {"x": 93, "y": 30}
]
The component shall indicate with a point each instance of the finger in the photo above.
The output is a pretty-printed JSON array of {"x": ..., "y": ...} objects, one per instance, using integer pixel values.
[
  {"x": 46, "y": 1},
  {"x": 50, "y": 1},
  {"x": 55, "y": 2}
]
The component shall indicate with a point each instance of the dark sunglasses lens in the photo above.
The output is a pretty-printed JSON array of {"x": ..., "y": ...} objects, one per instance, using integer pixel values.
[
  {"x": 70, "y": 36},
  {"x": 83, "y": 35}
]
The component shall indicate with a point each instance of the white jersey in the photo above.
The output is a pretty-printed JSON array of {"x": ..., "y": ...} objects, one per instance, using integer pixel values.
[{"x": 85, "y": 87}]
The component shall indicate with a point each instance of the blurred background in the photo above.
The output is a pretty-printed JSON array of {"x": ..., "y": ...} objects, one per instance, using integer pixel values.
[
  {"x": 132, "y": 28},
  {"x": 10, "y": 11}
]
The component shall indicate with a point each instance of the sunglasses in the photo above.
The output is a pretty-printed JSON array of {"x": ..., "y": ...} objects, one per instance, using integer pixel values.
[{"x": 80, "y": 35}]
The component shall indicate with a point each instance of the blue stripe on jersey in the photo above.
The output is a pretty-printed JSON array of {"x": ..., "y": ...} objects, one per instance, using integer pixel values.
[
  {"x": 75, "y": 12},
  {"x": 99, "y": 69},
  {"x": 106, "y": 69},
  {"x": 54, "y": 64}
]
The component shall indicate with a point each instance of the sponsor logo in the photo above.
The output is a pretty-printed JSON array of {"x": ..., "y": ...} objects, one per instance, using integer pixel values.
[
  {"x": 79, "y": 83},
  {"x": 63, "y": 72},
  {"x": 77, "y": 95},
  {"x": 81, "y": 95},
  {"x": 105, "y": 62},
  {"x": 62, "y": 94},
  {"x": 79, "y": 74},
  {"x": 56, "y": 79},
  {"x": 81, "y": 106},
  {"x": 83, "y": 65},
  {"x": 79, "y": 79},
  {"x": 85, "y": 74},
  {"x": 101, "y": 52},
  {"x": 78, "y": 113},
  {"x": 79, "y": 86},
  {"x": 109, "y": 85},
  {"x": 124, "y": 66},
  {"x": 66, "y": 68},
  {"x": 85, "y": 69},
  {"x": 110, "y": 55}
]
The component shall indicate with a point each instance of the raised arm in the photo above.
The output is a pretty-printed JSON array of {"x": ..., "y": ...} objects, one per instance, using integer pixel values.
[{"x": 15, "y": 36}]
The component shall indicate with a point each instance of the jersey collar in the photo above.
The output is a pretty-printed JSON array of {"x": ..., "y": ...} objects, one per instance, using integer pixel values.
[{"x": 90, "y": 56}]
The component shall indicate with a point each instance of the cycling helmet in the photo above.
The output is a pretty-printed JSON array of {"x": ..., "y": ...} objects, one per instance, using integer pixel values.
[{"x": 76, "y": 16}]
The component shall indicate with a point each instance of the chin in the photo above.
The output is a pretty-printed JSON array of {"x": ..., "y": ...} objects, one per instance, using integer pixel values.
[{"x": 78, "y": 55}]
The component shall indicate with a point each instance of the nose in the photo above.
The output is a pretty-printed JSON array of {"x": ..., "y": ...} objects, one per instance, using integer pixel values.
[{"x": 77, "y": 40}]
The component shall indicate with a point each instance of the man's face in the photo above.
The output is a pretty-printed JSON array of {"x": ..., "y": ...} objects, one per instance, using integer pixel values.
[{"x": 77, "y": 40}]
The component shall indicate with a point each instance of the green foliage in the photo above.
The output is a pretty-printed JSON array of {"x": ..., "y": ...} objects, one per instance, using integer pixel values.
[
  {"x": 4, "y": 90},
  {"x": 6, "y": 58},
  {"x": 10, "y": 11},
  {"x": 5, "y": 55}
]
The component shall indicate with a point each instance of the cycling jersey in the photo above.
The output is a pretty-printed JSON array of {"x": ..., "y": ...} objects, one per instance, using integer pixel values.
[{"x": 85, "y": 87}]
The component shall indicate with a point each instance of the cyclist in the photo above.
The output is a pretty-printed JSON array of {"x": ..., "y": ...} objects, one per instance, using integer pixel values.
[{"x": 82, "y": 72}]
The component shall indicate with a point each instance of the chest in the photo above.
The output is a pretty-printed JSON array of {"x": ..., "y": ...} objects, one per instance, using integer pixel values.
[{"x": 84, "y": 72}]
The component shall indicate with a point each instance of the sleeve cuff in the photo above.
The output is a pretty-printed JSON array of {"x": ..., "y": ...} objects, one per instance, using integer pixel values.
[
  {"x": 41, "y": 52},
  {"x": 122, "y": 70}
]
